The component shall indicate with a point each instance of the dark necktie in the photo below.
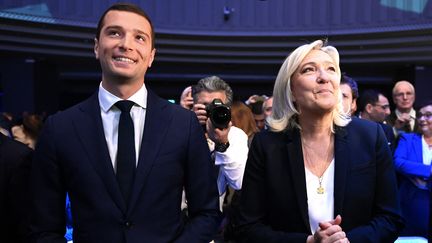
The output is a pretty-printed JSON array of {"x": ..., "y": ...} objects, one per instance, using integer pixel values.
[{"x": 126, "y": 162}]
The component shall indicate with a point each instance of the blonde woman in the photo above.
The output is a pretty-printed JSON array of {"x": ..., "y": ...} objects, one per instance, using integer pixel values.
[{"x": 317, "y": 175}]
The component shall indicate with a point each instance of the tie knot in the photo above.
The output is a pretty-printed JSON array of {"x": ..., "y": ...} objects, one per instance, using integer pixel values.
[{"x": 124, "y": 105}]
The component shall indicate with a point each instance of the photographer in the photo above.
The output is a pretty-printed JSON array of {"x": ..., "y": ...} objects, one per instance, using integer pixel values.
[{"x": 228, "y": 144}]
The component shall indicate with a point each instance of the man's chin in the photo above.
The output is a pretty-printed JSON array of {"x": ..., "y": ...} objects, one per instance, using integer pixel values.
[{"x": 123, "y": 78}]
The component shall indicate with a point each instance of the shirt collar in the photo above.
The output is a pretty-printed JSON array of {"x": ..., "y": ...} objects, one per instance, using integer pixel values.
[
  {"x": 412, "y": 113},
  {"x": 107, "y": 100}
]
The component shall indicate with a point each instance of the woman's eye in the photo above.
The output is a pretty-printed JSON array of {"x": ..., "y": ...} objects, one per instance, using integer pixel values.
[
  {"x": 307, "y": 70},
  {"x": 332, "y": 69}
]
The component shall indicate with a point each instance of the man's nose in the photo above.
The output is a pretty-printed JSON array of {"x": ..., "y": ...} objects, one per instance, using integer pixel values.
[
  {"x": 387, "y": 111},
  {"x": 126, "y": 42}
]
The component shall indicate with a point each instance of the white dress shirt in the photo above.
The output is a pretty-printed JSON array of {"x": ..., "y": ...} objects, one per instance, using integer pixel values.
[
  {"x": 111, "y": 116},
  {"x": 232, "y": 162}
]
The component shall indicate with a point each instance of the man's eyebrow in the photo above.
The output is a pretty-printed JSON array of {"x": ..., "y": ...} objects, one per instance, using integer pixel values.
[
  {"x": 141, "y": 32},
  {"x": 113, "y": 27}
]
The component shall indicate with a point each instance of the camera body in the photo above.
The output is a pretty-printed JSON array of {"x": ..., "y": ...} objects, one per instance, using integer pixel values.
[{"x": 219, "y": 113}]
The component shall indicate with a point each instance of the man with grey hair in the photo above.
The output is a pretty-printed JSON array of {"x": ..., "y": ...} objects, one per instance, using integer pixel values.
[
  {"x": 404, "y": 117},
  {"x": 229, "y": 144}
]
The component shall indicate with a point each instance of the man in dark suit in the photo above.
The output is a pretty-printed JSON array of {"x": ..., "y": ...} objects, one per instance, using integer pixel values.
[
  {"x": 80, "y": 152},
  {"x": 15, "y": 164},
  {"x": 374, "y": 106}
]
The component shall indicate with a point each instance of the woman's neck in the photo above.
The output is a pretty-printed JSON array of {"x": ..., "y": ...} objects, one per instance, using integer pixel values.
[
  {"x": 315, "y": 126},
  {"x": 428, "y": 138}
]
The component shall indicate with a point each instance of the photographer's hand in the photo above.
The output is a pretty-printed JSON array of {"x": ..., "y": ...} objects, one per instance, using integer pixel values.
[
  {"x": 186, "y": 100},
  {"x": 201, "y": 113},
  {"x": 217, "y": 135}
]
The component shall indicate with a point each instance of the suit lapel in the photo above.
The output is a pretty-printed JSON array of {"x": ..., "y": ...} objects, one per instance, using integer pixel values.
[
  {"x": 157, "y": 121},
  {"x": 342, "y": 155},
  {"x": 89, "y": 127},
  {"x": 296, "y": 163}
]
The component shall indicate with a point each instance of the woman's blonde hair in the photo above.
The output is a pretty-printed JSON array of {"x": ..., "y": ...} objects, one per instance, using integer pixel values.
[{"x": 284, "y": 111}]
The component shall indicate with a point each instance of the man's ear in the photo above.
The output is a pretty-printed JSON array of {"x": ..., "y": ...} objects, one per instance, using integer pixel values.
[
  {"x": 354, "y": 105},
  {"x": 152, "y": 56},
  {"x": 368, "y": 108},
  {"x": 96, "y": 48}
]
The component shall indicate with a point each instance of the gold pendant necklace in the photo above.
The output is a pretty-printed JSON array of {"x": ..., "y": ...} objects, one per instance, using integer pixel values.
[{"x": 320, "y": 189}]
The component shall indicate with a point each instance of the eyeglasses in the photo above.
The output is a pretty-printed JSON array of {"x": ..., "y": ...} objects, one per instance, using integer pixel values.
[
  {"x": 427, "y": 115},
  {"x": 384, "y": 107}
]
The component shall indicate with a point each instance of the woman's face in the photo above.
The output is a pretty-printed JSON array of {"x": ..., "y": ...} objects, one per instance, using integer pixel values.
[
  {"x": 425, "y": 120},
  {"x": 315, "y": 83}
]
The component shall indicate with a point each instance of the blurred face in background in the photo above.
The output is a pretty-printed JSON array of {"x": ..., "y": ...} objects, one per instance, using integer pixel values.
[
  {"x": 425, "y": 120},
  {"x": 349, "y": 104},
  {"x": 205, "y": 98},
  {"x": 379, "y": 111},
  {"x": 259, "y": 120},
  {"x": 268, "y": 106},
  {"x": 404, "y": 96}
]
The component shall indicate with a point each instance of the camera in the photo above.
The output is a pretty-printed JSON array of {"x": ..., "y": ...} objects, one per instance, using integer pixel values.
[{"x": 219, "y": 114}]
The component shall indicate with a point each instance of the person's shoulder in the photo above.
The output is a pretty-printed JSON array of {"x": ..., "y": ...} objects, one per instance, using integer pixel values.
[
  {"x": 237, "y": 131},
  {"x": 269, "y": 135},
  {"x": 71, "y": 112},
  {"x": 178, "y": 112},
  {"x": 385, "y": 126},
  {"x": 362, "y": 125},
  {"x": 165, "y": 104},
  {"x": 359, "y": 129},
  {"x": 10, "y": 147},
  {"x": 410, "y": 136}
]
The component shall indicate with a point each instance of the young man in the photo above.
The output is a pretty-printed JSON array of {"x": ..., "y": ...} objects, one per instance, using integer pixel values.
[
  {"x": 88, "y": 149},
  {"x": 350, "y": 94}
]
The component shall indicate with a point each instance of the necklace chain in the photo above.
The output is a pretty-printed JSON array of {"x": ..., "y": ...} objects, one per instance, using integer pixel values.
[{"x": 320, "y": 189}]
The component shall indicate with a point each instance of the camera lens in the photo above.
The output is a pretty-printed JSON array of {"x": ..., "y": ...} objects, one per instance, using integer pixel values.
[{"x": 221, "y": 116}]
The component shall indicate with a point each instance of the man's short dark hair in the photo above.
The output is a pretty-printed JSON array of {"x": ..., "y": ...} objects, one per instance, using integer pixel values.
[
  {"x": 352, "y": 83},
  {"x": 369, "y": 96},
  {"x": 126, "y": 7},
  {"x": 257, "y": 107},
  {"x": 213, "y": 84}
]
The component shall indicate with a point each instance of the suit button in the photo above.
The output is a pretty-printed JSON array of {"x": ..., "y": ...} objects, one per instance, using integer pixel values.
[{"x": 128, "y": 224}]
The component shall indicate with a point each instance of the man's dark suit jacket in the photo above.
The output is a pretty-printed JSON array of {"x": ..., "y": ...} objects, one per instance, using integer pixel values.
[
  {"x": 273, "y": 204},
  {"x": 72, "y": 156},
  {"x": 388, "y": 131},
  {"x": 15, "y": 166}
]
